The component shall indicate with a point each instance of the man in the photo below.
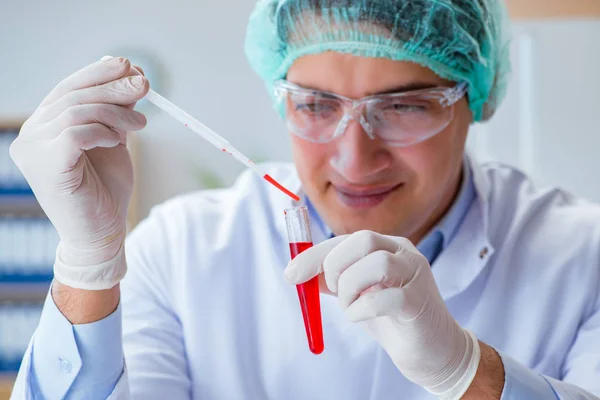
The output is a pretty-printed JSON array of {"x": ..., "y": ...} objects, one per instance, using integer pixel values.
[{"x": 445, "y": 278}]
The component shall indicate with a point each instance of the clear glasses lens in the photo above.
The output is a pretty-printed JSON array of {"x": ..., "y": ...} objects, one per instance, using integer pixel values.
[{"x": 401, "y": 119}]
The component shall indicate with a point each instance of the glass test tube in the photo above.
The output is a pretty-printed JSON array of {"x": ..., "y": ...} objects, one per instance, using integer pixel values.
[{"x": 300, "y": 239}]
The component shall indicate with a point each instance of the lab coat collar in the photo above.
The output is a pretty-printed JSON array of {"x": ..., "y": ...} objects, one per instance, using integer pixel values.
[
  {"x": 482, "y": 188},
  {"x": 468, "y": 253}
]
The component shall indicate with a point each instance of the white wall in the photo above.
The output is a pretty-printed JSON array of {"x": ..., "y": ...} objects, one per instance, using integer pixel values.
[
  {"x": 200, "y": 46},
  {"x": 548, "y": 127},
  {"x": 549, "y": 124}
]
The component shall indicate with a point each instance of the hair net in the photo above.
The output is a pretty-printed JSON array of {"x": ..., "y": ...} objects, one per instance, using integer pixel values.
[{"x": 460, "y": 40}]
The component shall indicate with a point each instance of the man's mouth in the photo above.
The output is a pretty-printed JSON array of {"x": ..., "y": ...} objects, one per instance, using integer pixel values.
[{"x": 357, "y": 197}]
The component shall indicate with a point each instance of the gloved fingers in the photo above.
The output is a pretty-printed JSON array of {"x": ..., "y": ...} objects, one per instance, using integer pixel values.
[
  {"x": 390, "y": 301},
  {"x": 135, "y": 70},
  {"x": 74, "y": 140},
  {"x": 323, "y": 286},
  {"x": 381, "y": 268},
  {"x": 95, "y": 74},
  {"x": 122, "y": 92},
  {"x": 356, "y": 247},
  {"x": 115, "y": 117},
  {"x": 309, "y": 263}
]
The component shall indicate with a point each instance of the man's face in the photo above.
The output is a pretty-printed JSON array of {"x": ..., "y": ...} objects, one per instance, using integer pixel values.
[{"x": 358, "y": 183}]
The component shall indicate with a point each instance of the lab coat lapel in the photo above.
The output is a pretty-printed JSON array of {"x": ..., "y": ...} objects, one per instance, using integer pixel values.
[{"x": 468, "y": 253}]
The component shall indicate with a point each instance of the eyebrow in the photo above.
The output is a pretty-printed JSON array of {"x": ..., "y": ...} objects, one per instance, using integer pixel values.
[{"x": 409, "y": 87}]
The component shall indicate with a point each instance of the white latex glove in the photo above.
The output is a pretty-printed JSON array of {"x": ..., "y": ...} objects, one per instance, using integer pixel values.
[
  {"x": 73, "y": 153},
  {"x": 386, "y": 285}
]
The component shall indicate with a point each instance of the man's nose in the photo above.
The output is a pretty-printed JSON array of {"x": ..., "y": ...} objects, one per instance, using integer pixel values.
[{"x": 358, "y": 156}]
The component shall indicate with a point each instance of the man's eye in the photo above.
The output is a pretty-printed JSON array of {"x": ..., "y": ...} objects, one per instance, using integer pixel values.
[
  {"x": 406, "y": 108},
  {"x": 313, "y": 107}
]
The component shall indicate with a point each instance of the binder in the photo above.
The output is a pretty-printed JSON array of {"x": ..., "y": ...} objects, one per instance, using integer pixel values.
[
  {"x": 17, "y": 325},
  {"x": 27, "y": 249},
  {"x": 12, "y": 180},
  {"x": 28, "y": 244}
]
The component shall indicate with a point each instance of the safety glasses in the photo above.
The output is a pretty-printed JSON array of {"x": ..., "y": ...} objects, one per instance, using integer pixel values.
[{"x": 399, "y": 119}]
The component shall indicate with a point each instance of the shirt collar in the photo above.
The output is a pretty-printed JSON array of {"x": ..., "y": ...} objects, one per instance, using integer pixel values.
[
  {"x": 441, "y": 235},
  {"x": 315, "y": 218}
]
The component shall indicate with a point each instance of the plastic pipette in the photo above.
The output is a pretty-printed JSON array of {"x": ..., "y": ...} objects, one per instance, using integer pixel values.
[{"x": 212, "y": 137}]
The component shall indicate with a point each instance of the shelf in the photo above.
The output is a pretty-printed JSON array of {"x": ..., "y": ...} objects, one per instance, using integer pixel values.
[
  {"x": 18, "y": 191},
  {"x": 6, "y": 384},
  {"x": 9, "y": 368},
  {"x": 26, "y": 279},
  {"x": 24, "y": 203},
  {"x": 26, "y": 292},
  {"x": 553, "y": 8}
]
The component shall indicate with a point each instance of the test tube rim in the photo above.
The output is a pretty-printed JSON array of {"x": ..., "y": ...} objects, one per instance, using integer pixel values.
[{"x": 294, "y": 231}]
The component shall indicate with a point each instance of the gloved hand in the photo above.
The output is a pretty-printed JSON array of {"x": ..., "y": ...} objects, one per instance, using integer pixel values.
[
  {"x": 73, "y": 153},
  {"x": 386, "y": 285}
]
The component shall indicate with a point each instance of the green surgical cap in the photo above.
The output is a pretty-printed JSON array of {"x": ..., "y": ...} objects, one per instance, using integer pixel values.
[{"x": 460, "y": 40}]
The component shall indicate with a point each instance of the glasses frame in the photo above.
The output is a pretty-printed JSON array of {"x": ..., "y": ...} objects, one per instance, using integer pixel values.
[{"x": 446, "y": 96}]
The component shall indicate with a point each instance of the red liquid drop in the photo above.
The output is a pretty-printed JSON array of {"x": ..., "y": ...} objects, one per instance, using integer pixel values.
[
  {"x": 310, "y": 303},
  {"x": 279, "y": 186}
]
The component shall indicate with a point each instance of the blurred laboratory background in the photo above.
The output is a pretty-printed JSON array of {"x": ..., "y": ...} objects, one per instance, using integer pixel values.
[{"x": 192, "y": 53}]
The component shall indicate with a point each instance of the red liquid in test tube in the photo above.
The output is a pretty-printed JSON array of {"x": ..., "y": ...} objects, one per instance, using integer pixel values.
[{"x": 308, "y": 292}]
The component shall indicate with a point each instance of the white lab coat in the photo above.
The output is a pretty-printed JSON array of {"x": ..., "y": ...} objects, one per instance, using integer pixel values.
[{"x": 208, "y": 315}]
